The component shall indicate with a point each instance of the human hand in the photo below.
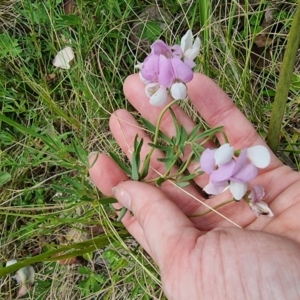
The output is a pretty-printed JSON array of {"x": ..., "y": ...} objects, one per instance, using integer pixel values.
[{"x": 207, "y": 257}]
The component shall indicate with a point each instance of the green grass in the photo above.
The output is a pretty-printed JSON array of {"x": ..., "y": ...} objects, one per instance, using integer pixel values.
[{"x": 51, "y": 119}]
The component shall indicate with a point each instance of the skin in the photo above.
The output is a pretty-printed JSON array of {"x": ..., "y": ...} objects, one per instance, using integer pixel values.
[{"x": 207, "y": 257}]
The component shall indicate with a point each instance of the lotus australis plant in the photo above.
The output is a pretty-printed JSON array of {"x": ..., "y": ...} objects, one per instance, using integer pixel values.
[{"x": 165, "y": 72}]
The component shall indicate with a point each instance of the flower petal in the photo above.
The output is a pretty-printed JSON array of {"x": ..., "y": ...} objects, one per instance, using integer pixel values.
[
  {"x": 181, "y": 71},
  {"x": 224, "y": 172},
  {"x": 259, "y": 155},
  {"x": 240, "y": 161},
  {"x": 159, "y": 47},
  {"x": 178, "y": 91},
  {"x": 166, "y": 76},
  {"x": 257, "y": 193},
  {"x": 261, "y": 208},
  {"x": 246, "y": 174},
  {"x": 63, "y": 58},
  {"x": 238, "y": 189},
  {"x": 187, "y": 41},
  {"x": 213, "y": 189},
  {"x": 150, "y": 68},
  {"x": 207, "y": 161},
  {"x": 193, "y": 51},
  {"x": 160, "y": 97},
  {"x": 224, "y": 154}
]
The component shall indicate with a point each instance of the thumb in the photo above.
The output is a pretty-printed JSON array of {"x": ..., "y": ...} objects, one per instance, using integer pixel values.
[{"x": 156, "y": 220}]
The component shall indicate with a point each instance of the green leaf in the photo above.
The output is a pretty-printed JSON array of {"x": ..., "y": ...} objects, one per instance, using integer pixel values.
[
  {"x": 4, "y": 177},
  {"x": 182, "y": 184},
  {"x": 120, "y": 163},
  {"x": 160, "y": 181},
  {"x": 135, "y": 164},
  {"x": 208, "y": 133},
  {"x": 152, "y": 129},
  {"x": 145, "y": 167},
  {"x": 122, "y": 213},
  {"x": 108, "y": 200},
  {"x": 194, "y": 132}
]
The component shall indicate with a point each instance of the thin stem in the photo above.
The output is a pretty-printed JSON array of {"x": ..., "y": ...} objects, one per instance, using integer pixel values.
[
  {"x": 212, "y": 209},
  {"x": 285, "y": 78},
  {"x": 156, "y": 134}
]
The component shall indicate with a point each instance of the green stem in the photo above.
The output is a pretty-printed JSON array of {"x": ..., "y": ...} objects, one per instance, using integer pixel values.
[
  {"x": 156, "y": 134},
  {"x": 285, "y": 78},
  {"x": 213, "y": 209}
]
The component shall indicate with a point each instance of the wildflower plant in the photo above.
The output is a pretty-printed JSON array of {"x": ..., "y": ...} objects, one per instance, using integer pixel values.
[{"x": 165, "y": 72}]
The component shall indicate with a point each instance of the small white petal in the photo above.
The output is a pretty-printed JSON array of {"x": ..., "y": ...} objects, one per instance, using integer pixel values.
[
  {"x": 212, "y": 189},
  {"x": 186, "y": 41},
  {"x": 224, "y": 154},
  {"x": 259, "y": 156},
  {"x": 144, "y": 80},
  {"x": 178, "y": 91},
  {"x": 63, "y": 58},
  {"x": 160, "y": 97},
  {"x": 238, "y": 189},
  {"x": 194, "y": 51},
  {"x": 261, "y": 208}
]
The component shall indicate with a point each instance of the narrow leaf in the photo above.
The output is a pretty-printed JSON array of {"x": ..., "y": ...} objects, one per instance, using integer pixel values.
[{"x": 120, "y": 163}]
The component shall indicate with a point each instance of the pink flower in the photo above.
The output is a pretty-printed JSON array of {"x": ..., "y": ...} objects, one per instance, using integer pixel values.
[{"x": 224, "y": 169}]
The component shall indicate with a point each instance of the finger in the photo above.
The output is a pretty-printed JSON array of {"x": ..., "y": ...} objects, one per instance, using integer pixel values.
[
  {"x": 106, "y": 174},
  {"x": 166, "y": 229},
  {"x": 124, "y": 128}
]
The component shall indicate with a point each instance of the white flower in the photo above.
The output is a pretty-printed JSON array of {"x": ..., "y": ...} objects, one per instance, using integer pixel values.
[
  {"x": 223, "y": 154},
  {"x": 63, "y": 58},
  {"x": 178, "y": 91},
  {"x": 259, "y": 156},
  {"x": 158, "y": 94}
]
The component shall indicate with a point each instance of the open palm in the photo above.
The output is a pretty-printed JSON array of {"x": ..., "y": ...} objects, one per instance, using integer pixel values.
[{"x": 207, "y": 257}]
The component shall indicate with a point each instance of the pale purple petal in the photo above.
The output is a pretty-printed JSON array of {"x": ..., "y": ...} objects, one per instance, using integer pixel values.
[
  {"x": 177, "y": 50},
  {"x": 224, "y": 172},
  {"x": 246, "y": 174},
  {"x": 166, "y": 76},
  {"x": 213, "y": 189},
  {"x": 178, "y": 91},
  {"x": 189, "y": 62},
  {"x": 144, "y": 80},
  {"x": 257, "y": 193},
  {"x": 224, "y": 154},
  {"x": 241, "y": 161},
  {"x": 261, "y": 208},
  {"x": 207, "y": 161},
  {"x": 150, "y": 68},
  {"x": 187, "y": 41},
  {"x": 259, "y": 156},
  {"x": 181, "y": 71},
  {"x": 161, "y": 48},
  {"x": 238, "y": 189}
]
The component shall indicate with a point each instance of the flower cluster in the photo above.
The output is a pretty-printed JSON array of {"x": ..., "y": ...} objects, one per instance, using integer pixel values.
[
  {"x": 235, "y": 169},
  {"x": 168, "y": 69}
]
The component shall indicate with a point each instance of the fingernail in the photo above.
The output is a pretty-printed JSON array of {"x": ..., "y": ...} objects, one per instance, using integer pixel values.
[
  {"x": 93, "y": 153},
  {"x": 122, "y": 196}
]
